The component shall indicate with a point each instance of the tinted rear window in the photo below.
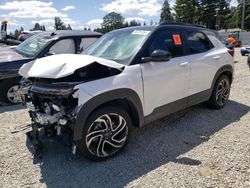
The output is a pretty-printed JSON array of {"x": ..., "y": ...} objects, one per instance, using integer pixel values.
[{"x": 197, "y": 42}]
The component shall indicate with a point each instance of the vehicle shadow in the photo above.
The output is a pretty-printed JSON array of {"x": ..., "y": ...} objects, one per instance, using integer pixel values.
[
  {"x": 150, "y": 147},
  {"x": 11, "y": 108}
]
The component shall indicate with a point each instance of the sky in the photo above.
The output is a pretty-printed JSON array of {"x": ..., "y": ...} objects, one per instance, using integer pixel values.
[{"x": 77, "y": 13}]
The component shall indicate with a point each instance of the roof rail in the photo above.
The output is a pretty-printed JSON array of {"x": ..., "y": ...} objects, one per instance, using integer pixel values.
[{"x": 179, "y": 23}]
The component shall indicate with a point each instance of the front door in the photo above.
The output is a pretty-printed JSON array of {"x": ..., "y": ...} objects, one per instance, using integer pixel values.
[{"x": 166, "y": 82}]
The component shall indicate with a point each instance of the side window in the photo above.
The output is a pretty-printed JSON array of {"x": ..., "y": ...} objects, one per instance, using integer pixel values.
[
  {"x": 168, "y": 41},
  {"x": 86, "y": 42},
  {"x": 65, "y": 46},
  {"x": 197, "y": 42}
]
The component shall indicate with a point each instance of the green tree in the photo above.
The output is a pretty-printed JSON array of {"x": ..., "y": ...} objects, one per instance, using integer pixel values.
[
  {"x": 186, "y": 11},
  {"x": 166, "y": 15},
  {"x": 59, "y": 25},
  {"x": 234, "y": 17},
  {"x": 215, "y": 12},
  {"x": 224, "y": 14},
  {"x": 151, "y": 22},
  {"x": 247, "y": 18},
  {"x": 126, "y": 24},
  {"x": 38, "y": 27},
  {"x": 16, "y": 33},
  {"x": 112, "y": 21},
  {"x": 238, "y": 14},
  {"x": 134, "y": 23},
  {"x": 69, "y": 27}
]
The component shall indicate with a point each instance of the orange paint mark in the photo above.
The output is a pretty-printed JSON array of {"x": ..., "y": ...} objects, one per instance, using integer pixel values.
[{"x": 177, "y": 39}]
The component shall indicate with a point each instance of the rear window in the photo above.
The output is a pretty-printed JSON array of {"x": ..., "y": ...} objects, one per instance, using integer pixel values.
[{"x": 197, "y": 42}]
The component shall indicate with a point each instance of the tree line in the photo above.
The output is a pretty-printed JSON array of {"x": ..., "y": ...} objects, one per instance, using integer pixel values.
[
  {"x": 58, "y": 25},
  {"x": 214, "y": 14}
]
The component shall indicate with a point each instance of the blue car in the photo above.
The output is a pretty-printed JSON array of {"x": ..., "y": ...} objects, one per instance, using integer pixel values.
[{"x": 245, "y": 50}]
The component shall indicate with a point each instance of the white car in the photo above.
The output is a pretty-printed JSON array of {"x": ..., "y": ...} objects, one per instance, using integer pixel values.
[{"x": 129, "y": 77}]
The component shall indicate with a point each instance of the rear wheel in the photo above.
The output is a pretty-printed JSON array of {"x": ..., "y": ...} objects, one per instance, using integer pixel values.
[
  {"x": 106, "y": 133},
  {"x": 9, "y": 91},
  {"x": 221, "y": 92}
]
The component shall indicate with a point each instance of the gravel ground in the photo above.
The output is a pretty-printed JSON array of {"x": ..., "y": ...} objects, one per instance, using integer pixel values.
[{"x": 197, "y": 147}]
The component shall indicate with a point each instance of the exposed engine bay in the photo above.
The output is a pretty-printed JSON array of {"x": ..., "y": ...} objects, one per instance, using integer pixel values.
[{"x": 53, "y": 102}]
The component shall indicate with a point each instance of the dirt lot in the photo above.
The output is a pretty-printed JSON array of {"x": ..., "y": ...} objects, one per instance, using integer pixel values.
[{"x": 197, "y": 147}]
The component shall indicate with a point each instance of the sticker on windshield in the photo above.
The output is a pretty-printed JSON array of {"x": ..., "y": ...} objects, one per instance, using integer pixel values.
[
  {"x": 177, "y": 39},
  {"x": 32, "y": 45},
  {"x": 140, "y": 32}
]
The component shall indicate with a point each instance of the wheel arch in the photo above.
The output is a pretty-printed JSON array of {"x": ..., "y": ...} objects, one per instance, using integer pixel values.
[
  {"x": 126, "y": 98},
  {"x": 225, "y": 70}
]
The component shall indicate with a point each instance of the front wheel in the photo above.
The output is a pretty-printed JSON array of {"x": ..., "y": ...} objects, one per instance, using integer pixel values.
[
  {"x": 221, "y": 92},
  {"x": 106, "y": 133}
]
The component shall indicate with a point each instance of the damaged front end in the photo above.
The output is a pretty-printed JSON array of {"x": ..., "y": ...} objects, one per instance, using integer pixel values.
[
  {"x": 53, "y": 110},
  {"x": 53, "y": 101}
]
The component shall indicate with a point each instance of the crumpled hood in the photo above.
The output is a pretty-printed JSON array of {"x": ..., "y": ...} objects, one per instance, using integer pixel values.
[
  {"x": 7, "y": 54},
  {"x": 59, "y": 66}
]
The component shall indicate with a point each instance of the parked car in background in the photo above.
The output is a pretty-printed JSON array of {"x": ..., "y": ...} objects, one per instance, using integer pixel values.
[
  {"x": 38, "y": 46},
  {"x": 245, "y": 50},
  {"x": 129, "y": 77},
  {"x": 27, "y": 34}
]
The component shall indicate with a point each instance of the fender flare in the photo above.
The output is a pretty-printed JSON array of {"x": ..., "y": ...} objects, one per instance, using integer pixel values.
[
  {"x": 87, "y": 108},
  {"x": 223, "y": 69}
]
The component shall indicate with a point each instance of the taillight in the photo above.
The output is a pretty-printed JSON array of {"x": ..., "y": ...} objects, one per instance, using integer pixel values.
[{"x": 231, "y": 52}]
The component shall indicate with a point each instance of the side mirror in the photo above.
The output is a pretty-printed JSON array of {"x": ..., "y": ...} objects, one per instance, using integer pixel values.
[
  {"x": 158, "y": 56},
  {"x": 49, "y": 54}
]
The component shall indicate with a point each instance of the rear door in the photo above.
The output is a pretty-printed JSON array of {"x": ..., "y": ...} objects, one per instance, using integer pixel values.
[
  {"x": 165, "y": 82},
  {"x": 204, "y": 60}
]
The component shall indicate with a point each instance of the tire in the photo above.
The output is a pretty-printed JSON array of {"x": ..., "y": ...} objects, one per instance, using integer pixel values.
[
  {"x": 220, "y": 93},
  {"x": 101, "y": 141},
  {"x": 9, "y": 88}
]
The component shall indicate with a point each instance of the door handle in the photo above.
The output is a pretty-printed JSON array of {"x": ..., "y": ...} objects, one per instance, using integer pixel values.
[
  {"x": 183, "y": 64},
  {"x": 216, "y": 57}
]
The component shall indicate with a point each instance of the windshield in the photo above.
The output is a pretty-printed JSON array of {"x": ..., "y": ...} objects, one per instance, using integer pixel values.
[
  {"x": 118, "y": 46},
  {"x": 33, "y": 45}
]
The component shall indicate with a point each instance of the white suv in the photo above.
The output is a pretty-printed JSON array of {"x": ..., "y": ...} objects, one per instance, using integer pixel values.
[{"x": 129, "y": 77}]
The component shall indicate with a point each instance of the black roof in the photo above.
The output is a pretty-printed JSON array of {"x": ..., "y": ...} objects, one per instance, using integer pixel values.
[
  {"x": 150, "y": 28},
  {"x": 65, "y": 33},
  {"x": 181, "y": 26},
  {"x": 191, "y": 26}
]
